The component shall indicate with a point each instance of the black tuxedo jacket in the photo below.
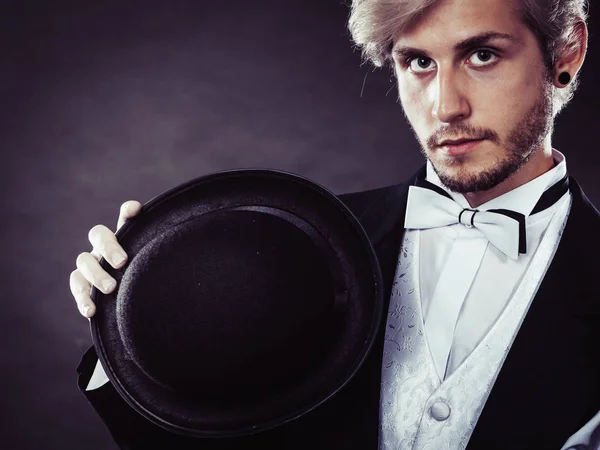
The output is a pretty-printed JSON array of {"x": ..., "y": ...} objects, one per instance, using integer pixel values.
[{"x": 548, "y": 387}]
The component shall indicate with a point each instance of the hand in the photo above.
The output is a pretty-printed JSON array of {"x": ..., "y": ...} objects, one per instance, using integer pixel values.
[{"x": 89, "y": 272}]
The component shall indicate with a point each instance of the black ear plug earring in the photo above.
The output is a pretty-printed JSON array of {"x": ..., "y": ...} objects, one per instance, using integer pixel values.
[{"x": 564, "y": 78}]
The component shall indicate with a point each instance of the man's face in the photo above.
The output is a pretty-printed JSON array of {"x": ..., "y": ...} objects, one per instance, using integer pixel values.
[{"x": 474, "y": 88}]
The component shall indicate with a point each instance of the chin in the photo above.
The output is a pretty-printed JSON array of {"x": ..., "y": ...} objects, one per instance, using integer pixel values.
[
  {"x": 465, "y": 178},
  {"x": 464, "y": 173},
  {"x": 456, "y": 167}
]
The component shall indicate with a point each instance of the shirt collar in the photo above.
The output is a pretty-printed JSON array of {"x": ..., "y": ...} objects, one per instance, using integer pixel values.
[{"x": 521, "y": 199}]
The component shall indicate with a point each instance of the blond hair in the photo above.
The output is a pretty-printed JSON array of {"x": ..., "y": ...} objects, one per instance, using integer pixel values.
[{"x": 373, "y": 23}]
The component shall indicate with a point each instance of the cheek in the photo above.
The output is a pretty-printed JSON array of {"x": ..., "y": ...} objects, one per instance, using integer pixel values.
[
  {"x": 489, "y": 105},
  {"x": 500, "y": 105},
  {"x": 414, "y": 102},
  {"x": 505, "y": 92}
]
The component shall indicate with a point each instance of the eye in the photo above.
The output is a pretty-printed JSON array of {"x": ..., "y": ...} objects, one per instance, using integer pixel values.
[
  {"x": 483, "y": 57},
  {"x": 421, "y": 64}
]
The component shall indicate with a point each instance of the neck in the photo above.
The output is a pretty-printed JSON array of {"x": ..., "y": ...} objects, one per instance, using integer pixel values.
[{"x": 540, "y": 163}]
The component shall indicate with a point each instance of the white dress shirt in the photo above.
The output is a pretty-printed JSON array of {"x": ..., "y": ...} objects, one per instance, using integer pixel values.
[
  {"x": 461, "y": 292},
  {"x": 446, "y": 252}
]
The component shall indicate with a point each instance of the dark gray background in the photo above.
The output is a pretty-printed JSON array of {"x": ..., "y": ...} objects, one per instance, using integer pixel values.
[{"x": 102, "y": 102}]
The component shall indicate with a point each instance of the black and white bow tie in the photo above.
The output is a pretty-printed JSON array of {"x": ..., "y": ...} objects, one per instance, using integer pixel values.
[{"x": 429, "y": 206}]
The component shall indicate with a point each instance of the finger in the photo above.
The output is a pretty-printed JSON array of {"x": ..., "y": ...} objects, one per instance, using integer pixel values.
[
  {"x": 80, "y": 288},
  {"x": 105, "y": 244},
  {"x": 128, "y": 210},
  {"x": 96, "y": 254},
  {"x": 92, "y": 271}
]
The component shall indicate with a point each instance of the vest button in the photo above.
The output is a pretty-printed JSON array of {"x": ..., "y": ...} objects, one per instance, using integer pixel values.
[{"x": 440, "y": 411}]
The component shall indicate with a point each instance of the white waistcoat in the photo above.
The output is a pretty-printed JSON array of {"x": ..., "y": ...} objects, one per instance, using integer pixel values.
[{"x": 417, "y": 411}]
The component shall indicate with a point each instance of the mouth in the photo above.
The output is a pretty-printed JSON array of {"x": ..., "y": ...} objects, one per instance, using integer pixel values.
[
  {"x": 460, "y": 141},
  {"x": 458, "y": 147}
]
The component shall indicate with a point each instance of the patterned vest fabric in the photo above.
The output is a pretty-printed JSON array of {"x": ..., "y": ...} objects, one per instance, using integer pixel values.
[{"x": 418, "y": 411}]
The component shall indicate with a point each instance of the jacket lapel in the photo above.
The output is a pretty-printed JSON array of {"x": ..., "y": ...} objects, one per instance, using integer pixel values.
[
  {"x": 548, "y": 386},
  {"x": 381, "y": 214}
]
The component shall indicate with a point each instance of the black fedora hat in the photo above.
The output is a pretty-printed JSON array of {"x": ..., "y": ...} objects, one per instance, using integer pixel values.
[{"x": 249, "y": 298}]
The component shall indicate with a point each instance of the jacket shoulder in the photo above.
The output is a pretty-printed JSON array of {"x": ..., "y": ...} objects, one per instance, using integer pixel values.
[{"x": 360, "y": 201}]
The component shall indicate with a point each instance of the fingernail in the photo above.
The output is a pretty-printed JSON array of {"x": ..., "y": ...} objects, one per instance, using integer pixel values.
[
  {"x": 107, "y": 285},
  {"x": 118, "y": 258},
  {"x": 86, "y": 310}
]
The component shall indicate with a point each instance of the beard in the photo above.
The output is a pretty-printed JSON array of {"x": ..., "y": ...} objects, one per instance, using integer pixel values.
[{"x": 525, "y": 138}]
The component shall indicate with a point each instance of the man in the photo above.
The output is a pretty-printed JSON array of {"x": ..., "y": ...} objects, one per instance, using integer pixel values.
[{"x": 488, "y": 253}]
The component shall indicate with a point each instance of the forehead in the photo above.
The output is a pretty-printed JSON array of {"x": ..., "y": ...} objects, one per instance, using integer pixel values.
[{"x": 451, "y": 21}]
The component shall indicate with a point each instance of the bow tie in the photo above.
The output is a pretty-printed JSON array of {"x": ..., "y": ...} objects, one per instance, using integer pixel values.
[{"x": 429, "y": 206}]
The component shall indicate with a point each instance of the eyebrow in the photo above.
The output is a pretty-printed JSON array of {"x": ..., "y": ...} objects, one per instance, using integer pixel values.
[{"x": 474, "y": 41}]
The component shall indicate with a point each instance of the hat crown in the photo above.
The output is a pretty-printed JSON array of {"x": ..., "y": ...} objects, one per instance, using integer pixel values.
[{"x": 181, "y": 298}]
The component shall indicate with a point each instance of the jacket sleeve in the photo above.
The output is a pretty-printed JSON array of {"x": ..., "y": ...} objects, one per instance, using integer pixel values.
[
  {"x": 130, "y": 430},
  {"x": 126, "y": 427}
]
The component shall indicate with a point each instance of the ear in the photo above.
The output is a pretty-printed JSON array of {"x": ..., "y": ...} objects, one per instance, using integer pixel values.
[{"x": 572, "y": 54}]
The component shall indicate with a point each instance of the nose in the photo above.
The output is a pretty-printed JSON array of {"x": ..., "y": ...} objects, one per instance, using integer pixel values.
[{"x": 449, "y": 103}]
